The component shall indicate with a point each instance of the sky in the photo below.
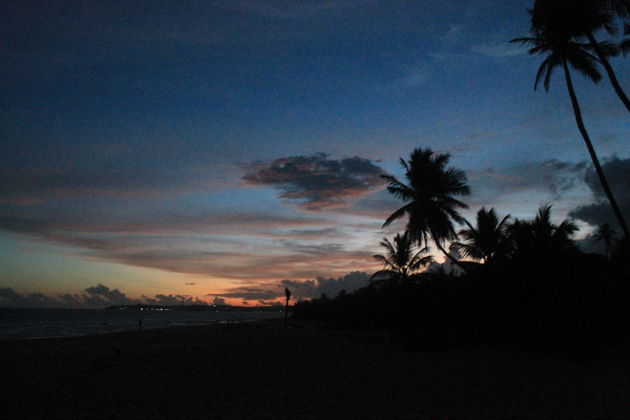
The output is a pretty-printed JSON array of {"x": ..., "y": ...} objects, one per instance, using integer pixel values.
[{"x": 219, "y": 151}]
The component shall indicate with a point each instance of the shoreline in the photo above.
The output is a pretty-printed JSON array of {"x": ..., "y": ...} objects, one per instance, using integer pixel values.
[
  {"x": 26, "y": 324},
  {"x": 138, "y": 330},
  {"x": 260, "y": 369}
]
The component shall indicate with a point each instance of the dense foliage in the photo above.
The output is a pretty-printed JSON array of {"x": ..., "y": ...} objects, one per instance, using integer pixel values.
[{"x": 555, "y": 297}]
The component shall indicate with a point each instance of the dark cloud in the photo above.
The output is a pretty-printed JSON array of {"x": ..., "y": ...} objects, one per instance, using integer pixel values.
[
  {"x": 253, "y": 293},
  {"x": 12, "y": 299},
  {"x": 270, "y": 303},
  {"x": 617, "y": 173},
  {"x": 316, "y": 250},
  {"x": 99, "y": 296},
  {"x": 172, "y": 300},
  {"x": 218, "y": 301},
  {"x": 268, "y": 293},
  {"x": 329, "y": 286},
  {"x": 317, "y": 181},
  {"x": 551, "y": 176}
]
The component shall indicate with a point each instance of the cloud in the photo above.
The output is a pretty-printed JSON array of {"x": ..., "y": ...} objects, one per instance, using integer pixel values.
[
  {"x": 270, "y": 303},
  {"x": 552, "y": 176},
  {"x": 317, "y": 181},
  {"x": 172, "y": 300},
  {"x": 197, "y": 244},
  {"x": 95, "y": 297},
  {"x": 12, "y": 299},
  {"x": 617, "y": 173},
  {"x": 101, "y": 296},
  {"x": 105, "y": 232},
  {"x": 307, "y": 234},
  {"x": 218, "y": 301},
  {"x": 253, "y": 293},
  {"x": 274, "y": 291},
  {"x": 329, "y": 286}
]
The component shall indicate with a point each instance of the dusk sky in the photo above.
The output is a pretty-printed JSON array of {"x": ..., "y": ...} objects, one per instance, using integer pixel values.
[{"x": 214, "y": 149}]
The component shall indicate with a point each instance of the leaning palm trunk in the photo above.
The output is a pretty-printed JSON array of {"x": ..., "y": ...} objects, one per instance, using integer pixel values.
[
  {"x": 609, "y": 70},
  {"x": 591, "y": 150},
  {"x": 449, "y": 256}
]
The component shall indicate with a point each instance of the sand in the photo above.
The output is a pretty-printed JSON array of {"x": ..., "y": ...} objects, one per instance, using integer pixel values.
[{"x": 261, "y": 370}]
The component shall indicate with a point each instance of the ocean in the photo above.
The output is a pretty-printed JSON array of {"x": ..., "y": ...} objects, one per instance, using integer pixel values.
[{"x": 47, "y": 323}]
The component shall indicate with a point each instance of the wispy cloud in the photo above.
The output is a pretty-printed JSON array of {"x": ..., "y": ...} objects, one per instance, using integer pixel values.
[
  {"x": 498, "y": 49},
  {"x": 225, "y": 247}
]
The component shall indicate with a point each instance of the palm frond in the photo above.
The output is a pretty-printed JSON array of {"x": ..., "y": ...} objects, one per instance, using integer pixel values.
[
  {"x": 398, "y": 214},
  {"x": 543, "y": 70},
  {"x": 586, "y": 64}
]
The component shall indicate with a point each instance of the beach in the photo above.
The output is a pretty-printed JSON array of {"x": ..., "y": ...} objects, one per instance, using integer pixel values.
[{"x": 262, "y": 370}]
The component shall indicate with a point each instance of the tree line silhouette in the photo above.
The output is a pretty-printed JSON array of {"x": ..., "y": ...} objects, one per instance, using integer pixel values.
[{"x": 517, "y": 281}]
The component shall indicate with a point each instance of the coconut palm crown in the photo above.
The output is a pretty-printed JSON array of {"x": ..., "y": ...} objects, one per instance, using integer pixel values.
[
  {"x": 401, "y": 258},
  {"x": 486, "y": 241},
  {"x": 573, "y": 19},
  {"x": 429, "y": 194},
  {"x": 541, "y": 238}
]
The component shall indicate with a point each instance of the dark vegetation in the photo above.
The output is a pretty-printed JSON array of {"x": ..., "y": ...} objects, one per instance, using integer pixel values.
[
  {"x": 539, "y": 290},
  {"x": 522, "y": 282}
]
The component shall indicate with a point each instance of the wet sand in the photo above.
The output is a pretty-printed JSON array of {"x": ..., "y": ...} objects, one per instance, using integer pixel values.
[{"x": 261, "y": 370}]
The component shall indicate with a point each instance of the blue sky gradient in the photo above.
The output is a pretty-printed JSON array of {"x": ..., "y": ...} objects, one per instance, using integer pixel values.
[{"x": 131, "y": 133}]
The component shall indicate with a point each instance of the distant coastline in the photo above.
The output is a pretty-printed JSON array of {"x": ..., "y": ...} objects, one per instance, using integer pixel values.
[{"x": 194, "y": 308}]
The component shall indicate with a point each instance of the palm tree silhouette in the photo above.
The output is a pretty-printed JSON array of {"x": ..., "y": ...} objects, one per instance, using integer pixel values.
[
  {"x": 577, "y": 18},
  {"x": 429, "y": 194},
  {"x": 561, "y": 50},
  {"x": 606, "y": 234},
  {"x": 401, "y": 259},
  {"x": 540, "y": 238},
  {"x": 487, "y": 241}
]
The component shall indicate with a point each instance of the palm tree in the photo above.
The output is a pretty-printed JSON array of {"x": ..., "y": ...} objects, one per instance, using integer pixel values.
[
  {"x": 562, "y": 51},
  {"x": 606, "y": 234},
  {"x": 540, "y": 238},
  {"x": 401, "y": 259},
  {"x": 485, "y": 242},
  {"x": 429, "y": 196},
  {"x": 577, "y": 18}
]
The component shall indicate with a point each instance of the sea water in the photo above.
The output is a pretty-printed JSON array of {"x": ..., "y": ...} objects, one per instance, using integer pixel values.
[{"x": 47, "y": 323}]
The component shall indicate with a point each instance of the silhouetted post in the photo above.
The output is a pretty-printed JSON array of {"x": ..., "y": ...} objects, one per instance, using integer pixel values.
[{"x": 287, "y": 293}]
